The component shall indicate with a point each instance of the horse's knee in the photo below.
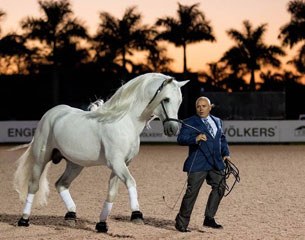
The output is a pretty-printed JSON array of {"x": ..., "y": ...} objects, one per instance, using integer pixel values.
[
  {"x": 130, "y": 182},
  {"x": 33, "y": 187},
  {"x": 111, "y": 195},
  {"x": 61, "y": 185}
]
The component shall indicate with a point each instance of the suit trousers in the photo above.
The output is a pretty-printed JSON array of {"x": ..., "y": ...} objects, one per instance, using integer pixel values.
[{"x": 194, "y": 182}]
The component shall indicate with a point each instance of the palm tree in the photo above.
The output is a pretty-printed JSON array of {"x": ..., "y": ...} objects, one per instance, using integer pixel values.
[
  {"x": 294, "y": 32},
  {"x": 250, "y": 52},
  {"x": 56, "y": 29},
  {"x": 120, "y": 37},
  {"x": 190, "y": 27}
]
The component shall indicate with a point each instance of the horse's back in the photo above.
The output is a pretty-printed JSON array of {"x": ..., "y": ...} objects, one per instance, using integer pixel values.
[{"x": 60, "y": 110}]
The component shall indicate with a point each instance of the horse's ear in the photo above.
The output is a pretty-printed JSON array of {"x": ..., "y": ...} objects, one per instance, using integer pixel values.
[
  {"x": 182, "y": 83},
  {"x": 169, "y": 80}
]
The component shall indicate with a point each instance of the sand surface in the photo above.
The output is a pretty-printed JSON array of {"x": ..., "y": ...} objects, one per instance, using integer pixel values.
[{"x": 268, "y": 203}]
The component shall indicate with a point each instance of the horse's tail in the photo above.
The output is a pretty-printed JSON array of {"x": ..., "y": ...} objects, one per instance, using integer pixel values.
[
  {"x": 18, "y": 147},
  {"x": 23, "y": 175}
]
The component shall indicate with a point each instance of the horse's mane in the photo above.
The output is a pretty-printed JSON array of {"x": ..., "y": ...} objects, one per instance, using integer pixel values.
[{"x": 123, "y": 99}]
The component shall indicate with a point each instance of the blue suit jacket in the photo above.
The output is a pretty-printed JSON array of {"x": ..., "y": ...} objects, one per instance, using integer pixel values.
[{"x": 206, "y": 155}]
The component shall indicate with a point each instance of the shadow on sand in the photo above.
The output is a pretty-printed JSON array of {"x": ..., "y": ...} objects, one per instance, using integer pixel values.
[
  {"x": 151, "y": 221},
  {"x": 52, "y": 221},
  {"x": 58, "y": 222}
]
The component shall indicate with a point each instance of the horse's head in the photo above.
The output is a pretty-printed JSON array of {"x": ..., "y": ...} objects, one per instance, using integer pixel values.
[{"x": 167, "y": 100}]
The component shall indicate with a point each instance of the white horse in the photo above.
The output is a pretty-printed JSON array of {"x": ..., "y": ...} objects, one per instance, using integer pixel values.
[{"x": 109, "y": 135}]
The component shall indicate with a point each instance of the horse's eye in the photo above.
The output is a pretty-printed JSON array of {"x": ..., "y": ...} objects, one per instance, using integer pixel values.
[{"x": 166, "y": 100}]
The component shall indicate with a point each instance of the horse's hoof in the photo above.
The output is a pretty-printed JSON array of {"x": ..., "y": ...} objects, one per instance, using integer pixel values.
[
  {"x": 70, "y": 216},
  {"x": 137, "y": 217},
  {"x": 23, "y": 222},
  {"x": 101, "y": 227}
]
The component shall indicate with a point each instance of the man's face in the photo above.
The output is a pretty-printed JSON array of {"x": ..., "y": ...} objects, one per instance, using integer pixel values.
[{"x": 203, "y": 108}]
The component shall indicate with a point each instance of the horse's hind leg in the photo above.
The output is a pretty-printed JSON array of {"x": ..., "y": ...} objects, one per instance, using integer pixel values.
[
  {"x": 113, "y": 188},
  {"x": 33, "y": 187},
  {"x": 62, "y": 186}
]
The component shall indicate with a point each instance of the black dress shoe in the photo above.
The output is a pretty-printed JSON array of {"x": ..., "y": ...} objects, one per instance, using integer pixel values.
[
  {"x": 181, "y": 228},
  {"x": 210, "y": 222}
]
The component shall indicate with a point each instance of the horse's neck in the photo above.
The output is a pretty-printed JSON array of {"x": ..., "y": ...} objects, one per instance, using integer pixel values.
[{"x": 135, "y": 116}]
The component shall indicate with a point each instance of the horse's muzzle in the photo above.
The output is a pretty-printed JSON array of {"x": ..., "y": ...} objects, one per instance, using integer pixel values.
[{"x": 170, "y": 128}]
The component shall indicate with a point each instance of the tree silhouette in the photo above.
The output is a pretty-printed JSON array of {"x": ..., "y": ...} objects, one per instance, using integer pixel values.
[
  {"x": 118, "y": 38},
  {"x": 214, "y": 75},
  {"x": 13, "y": 52},
  {"x": 219, "y": 77},
  {"x": 293, "y": 32},
  {"x": 191, "y": 26},
  {"x": 250, "y": 52},
  {"x": 272, "y": 81},
  {"x": 158, "y": 61},
  {"x": 57, "y": 30}
]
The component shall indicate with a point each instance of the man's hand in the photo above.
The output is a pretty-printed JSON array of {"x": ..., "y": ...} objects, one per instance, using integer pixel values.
[{"x": 201, "y": 137}]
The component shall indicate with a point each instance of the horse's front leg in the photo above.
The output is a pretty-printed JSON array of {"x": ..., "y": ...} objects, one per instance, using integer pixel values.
[
  {"x": 113, "y": 187},
  {"x": 122, "y": 171}
]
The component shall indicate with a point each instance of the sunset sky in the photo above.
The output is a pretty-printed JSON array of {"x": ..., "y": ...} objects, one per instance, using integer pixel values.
[{"x": 222, "y": 14}]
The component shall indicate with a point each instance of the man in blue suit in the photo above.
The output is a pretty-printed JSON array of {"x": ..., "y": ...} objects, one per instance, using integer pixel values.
[{"x": 208, "y": 148}]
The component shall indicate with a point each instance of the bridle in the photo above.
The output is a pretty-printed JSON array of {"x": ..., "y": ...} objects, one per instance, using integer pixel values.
[{"x": 167, "y": 119}]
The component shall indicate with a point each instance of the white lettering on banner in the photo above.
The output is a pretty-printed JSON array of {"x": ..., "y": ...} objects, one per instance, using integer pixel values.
[{"x": 235, "y": 131}]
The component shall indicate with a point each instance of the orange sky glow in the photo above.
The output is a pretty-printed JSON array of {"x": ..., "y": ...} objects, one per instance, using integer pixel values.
[{"x": 222, "y": 14}]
